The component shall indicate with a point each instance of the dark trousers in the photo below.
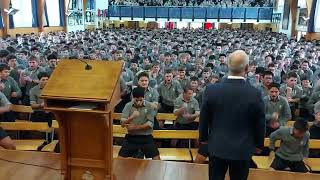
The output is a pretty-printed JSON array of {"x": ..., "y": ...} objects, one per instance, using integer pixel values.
[
  {"x": 42, "y": 116},
  {"x": 124, "y": 100},
  {"x": 295, "y": 166},
  {"x": 166, "y": 108},
  {"x": 238, "y": 169},
  {"x": 8, "y": 117}
]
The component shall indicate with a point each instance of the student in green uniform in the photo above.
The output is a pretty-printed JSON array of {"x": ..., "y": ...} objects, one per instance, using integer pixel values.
[
  {"x": 169, "y": 90},
  {"x": 11, "y": 90},
  {"x": 182, "y": 78},
  {"x": 277, "y": 109},
  {"x": 138, "y": 118},
  {"x": 197, "y": 91},
  {"x": 294, "y": 147},
  {"x": 267, "y": 79},
  {"x": 155, "y": 74},
  {"x": 151, "y": 95},
  {"x": 306, "y": 93},
  {"x": 52, "y": 63},
  {"x": 292, "y": 92},
  {"x": 315, "y": 131},
  {"x": 29, "y": 77},
  {"x": 186, "y": 108},
  {"x": 37, "y": 104},
  {"x": 5, "y": 141},
  {"x": 14, "y": 71}
]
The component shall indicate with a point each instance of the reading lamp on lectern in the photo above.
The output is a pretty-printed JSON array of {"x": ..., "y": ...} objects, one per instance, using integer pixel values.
[{"x": 87, "y": 67}]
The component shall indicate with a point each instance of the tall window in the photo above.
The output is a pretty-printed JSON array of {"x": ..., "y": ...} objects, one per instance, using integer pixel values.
[
  {"x": 53, "y": 11},
  {"x": 317, "y": 17},
  {"x": 1, "y": 22},
  {"x": 23, "y": 18}
]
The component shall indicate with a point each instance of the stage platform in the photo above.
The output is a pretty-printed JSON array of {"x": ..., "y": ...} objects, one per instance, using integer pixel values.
[{"x": 23, "y": 165}]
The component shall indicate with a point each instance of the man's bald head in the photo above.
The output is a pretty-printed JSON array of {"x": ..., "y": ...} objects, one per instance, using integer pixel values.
[{"x": 238, "y": 62}]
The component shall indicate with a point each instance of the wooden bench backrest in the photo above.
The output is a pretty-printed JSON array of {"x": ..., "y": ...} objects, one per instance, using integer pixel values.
[
  {"x": 118, "y": 131},
  {"x": 160, "y": 117},
  {"x": 313, "y": 143},
  {"x": 25, "y": 126},
  {"x": 22, "y": 109}
]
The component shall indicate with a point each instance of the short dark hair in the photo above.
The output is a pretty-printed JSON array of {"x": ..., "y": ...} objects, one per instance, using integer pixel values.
[
  {"x": 167, "y": 54},
  {"x": 206, "y": 69},
  {"x": 187, "y": 88},
  {"x": 33, "y": 58},
  {"x": 155, "y": 63},
  {"x": 143, "y": 74},
  {"x": 194, "y": 78},
  {"x": 292, "y": 75},
  {"x": 253, "y": 63},
  {"x": 266, "y": 73},
  {"x": 304, "y": 77},
  {"x": 135, "y": 61},
  {"x": 138, "y": 92},
  {"x": 301, "y": 124},
  {"x": 220, "y": 55},
  {"x": 11, "y": 56},
  {"x": 274, "y": 85},
  {"x": 4, "y": 53},
  {"x": 4, "y": 67},
  {"x": 271, "y": 65},
  {"x": 294, "y": 66},
  {"x": 52, "y": 56},
  {"x": 305, "y": 61},
  {"x": 168, "y": 71},
  {"x": 43, "y": 74},
  {"x": 181, "y": 68}
]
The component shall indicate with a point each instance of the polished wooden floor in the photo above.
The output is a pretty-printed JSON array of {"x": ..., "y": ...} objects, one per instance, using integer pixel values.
[{"x": 22, "y": 165}]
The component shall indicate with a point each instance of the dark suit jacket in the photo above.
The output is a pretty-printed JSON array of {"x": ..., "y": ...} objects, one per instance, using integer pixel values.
[{"x": 232, "y": 119}]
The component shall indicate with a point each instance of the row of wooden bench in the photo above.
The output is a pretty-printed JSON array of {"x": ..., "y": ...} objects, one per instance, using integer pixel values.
[{"x": 118, "y": 131}]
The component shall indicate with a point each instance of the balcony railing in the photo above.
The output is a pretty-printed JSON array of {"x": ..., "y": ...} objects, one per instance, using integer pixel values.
[{"x": 204, "y": 13}]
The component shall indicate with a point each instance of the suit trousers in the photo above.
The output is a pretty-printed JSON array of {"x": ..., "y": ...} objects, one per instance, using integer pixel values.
[{"x": 238, "y": 169}]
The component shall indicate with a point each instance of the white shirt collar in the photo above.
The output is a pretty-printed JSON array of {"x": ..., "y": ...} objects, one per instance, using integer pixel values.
[{"x": 236, "y": 77}]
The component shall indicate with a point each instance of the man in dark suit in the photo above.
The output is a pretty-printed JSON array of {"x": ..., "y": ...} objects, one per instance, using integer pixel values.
[{"x": 232, "y": 121}]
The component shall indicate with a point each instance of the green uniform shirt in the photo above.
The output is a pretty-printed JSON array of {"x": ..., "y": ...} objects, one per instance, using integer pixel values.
[
  {"x": 146, "y": 116},
  {"x": 296, "y": 92},
  {"x": 192, "y": 107},
  {"x": 184, "y": 82},
  {"x": 264, "y": 90},
  {"x": 34, "y": 76},
  {"x": 291, "y": 148},
  {"x": 10, "y": 86},
  {"x": 280, "y": 106},
  {"x": 35, "y": 93},
  {"x": 151, "y": 95},
  {"x": 14, "y": 73},
  {"x": 3, "y": 100},
  {"x": 49, "y": 69},
  {"x": 313, "y": 99},
  {"x": 169, "y": 93}
]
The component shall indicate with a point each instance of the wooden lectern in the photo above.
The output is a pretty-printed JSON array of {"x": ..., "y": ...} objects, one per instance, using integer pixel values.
[{"x": 82, "y": 100}]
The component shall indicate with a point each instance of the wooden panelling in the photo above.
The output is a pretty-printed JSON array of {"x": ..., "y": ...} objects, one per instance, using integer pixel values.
[{"x": 313, "y": 36}]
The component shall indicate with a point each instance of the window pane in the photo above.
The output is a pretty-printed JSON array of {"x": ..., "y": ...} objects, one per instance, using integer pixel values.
[
  {"x": 23, "y": 18},
  {"x": 53, "y": 10}
]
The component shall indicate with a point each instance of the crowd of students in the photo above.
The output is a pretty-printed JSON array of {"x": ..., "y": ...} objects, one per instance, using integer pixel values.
[
  {"x": 167, "y": 71},
  {"x": 212, "y": 3}
]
